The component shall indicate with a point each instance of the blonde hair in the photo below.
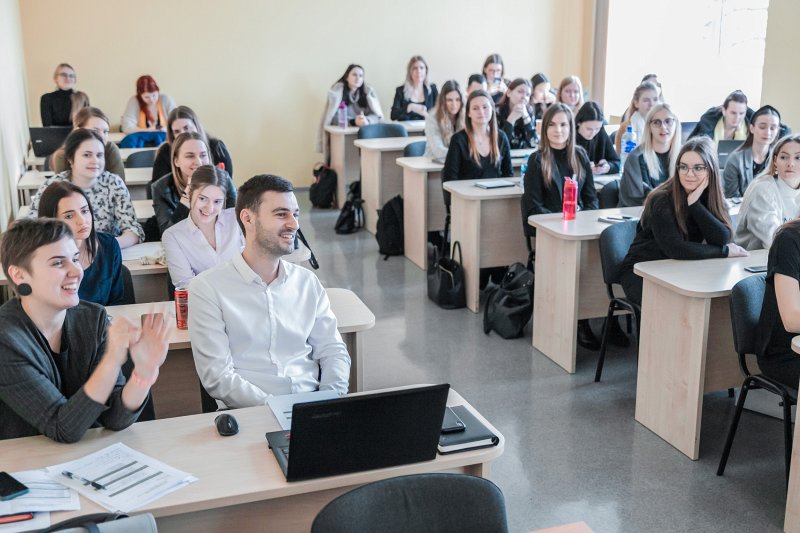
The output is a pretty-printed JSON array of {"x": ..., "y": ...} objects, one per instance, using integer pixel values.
[
  {"x": 447, "y": 123},
  {"x": 494, "y": 153},
  {"x": 569, "y": 80},
  {"x": 637, "y": 93},
  {"x": 649, "y": 152},
  {"x": 79, "y": 100},
  {"x": 408, "y": 86},
  {"x": 177, "y": 176}
]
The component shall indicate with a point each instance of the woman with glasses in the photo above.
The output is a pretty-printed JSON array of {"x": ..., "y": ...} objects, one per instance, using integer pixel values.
[
  {"x": 772, "y": 199},
  {"x": 751, "y": 158},
  {"x": 56, "y": 107},
  {"x": 684, "y": 218},
  {"x": 417, "y": 95},
  {"x": 653, "y": 161}
]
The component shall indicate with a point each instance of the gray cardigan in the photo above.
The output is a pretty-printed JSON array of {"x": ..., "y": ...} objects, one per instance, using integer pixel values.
[
  {"x": 738, "y": 173},
  {"x": 41, "y": 391},
  {"x": 636, "y": 181}
]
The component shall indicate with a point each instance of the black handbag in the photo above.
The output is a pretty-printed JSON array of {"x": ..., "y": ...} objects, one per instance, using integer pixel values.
[
  {"x": 509, "y": 306},
  {"x": 446, "y": 280},
  {"x": 351, "y": 216}
]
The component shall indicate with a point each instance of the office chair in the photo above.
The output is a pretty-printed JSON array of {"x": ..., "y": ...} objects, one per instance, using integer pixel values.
[
  {"x": 746, "y": 299},
  {"x": 415, "y": 149},
  {"x": 143, "y": 159},
  {"x": 608, "y": 196},
  {"x": 423, "y": 503},
  {"x": 615, "y": 241},
  {"x": 376, "y": 131}
]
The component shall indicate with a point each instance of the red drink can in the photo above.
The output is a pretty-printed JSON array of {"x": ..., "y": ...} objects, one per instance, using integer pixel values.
[{"x": 182, "y": 307}]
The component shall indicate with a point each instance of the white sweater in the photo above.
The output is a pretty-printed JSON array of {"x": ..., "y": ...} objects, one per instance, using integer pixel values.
[{"x": 768, "y": 203}]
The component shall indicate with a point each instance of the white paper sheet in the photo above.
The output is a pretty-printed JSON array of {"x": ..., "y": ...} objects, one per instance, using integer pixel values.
[
  {"x": 45, "y": 495},
  {"x": 282, "y": 405}
]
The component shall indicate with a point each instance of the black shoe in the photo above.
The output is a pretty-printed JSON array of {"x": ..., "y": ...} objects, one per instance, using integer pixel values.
[
  {"x": 616, "y": 336},
  {"x": 586, "y": 337}
]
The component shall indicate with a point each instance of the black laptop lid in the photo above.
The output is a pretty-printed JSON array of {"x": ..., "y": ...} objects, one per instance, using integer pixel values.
[
  {"x": 47, "y": 140},
  {"x": 365, "y": 432},
  {"x": 725, "y": 149}
]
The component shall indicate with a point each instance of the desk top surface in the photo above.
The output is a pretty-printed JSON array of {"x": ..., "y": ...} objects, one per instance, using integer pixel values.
[
  {"x": 585, "y": 226},
  {"x": 243, "y": 470},
  {"x": 385, "y": 144},
  {"x": 708, "y": 278},
  {"x": 467, "y": 190},
  {"x": 412, "y": 126},
  {"x": 33, "y": 179},
  {"x": 422, "y": 163}
]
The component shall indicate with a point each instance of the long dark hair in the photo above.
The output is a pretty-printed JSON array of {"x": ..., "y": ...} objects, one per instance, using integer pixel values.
[
  {"x": 494, "y": 152},
  {"x": 361, "y": 93},
  {"x": 548, "y": 158},
  {"x": 711, "y": 197},
  {"x": 48, "y": 208},
  {"x": 763, "y": 110},
  {"x": 73, "y": 142},
  {"x": 504, "y": 103}
]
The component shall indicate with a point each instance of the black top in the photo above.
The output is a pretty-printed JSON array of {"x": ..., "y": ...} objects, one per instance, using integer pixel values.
[
  {"x": 219, "y": 154},
  {"x": 401, "y": 103},
  {"x": 759, "y": 167},
  {"x": 773, "y": 341},
  {"x": 598, "y": 148},
  {"x": 658, "y": 236},
  {"x": 460, "y": 165},
  {"x": 538, "y": 198},
  {"x": 520, "y": 135},
  {"x": 167, "y": 201},
  {"x": 56, "y": 108}
]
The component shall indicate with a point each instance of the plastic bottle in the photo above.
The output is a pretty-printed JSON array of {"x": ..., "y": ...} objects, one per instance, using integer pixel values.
[
  {"x": 570, "y": 198},
  {"x": 221, "y": 165},
  {"x": 342, "y": 115},
  {"x": 522, "y": 170},
  {"x": 627, "y": 144}
]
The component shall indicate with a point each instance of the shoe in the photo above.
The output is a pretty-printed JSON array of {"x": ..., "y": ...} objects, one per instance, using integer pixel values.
[
  {"x": 586, "y": 337},
  {"x": 616, "y": 336}
]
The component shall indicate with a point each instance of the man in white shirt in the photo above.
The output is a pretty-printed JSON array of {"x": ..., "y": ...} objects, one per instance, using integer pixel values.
[{"x": 260, "y": 326}]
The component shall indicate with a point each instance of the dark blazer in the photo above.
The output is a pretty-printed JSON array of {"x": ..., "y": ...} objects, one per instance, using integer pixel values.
[
  {"x": 459, "y": 165},
  {"x": 401, "y": 103},
  {"x": 219, "y": 154},
  {"x": 167, "y": 201}
]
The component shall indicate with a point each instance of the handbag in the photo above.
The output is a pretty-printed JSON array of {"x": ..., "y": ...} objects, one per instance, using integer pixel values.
[
  {"x": 351, "y": 216},
  {"x": 446, "y": 279},
  {"x": 509, "y": 306}
]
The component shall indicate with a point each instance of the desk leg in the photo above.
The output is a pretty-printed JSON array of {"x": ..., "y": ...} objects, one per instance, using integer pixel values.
[
  {"x": 555, "y": 299},
  {"x": 415, "y": 217},
  {"x": 371, "y": 187},
  {"x": 792, "y": 520},
  {"x": 466, "y": 229},
  {"x": 672, "y": 366},
  {"x": 353, "y": 342}
]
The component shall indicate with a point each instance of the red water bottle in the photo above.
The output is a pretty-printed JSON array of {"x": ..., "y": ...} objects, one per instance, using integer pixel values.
[
  {"x": 221, "y": 165},
  {"x": 570, "y": 198}
]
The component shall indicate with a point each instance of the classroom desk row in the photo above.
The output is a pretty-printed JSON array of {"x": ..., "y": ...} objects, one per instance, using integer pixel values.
[
  {"x": 242, "y": 487},
  {"x": 143, "y": 209},
  {"x": 136, "y": 179},
  {"x": 33, "y": 162}
]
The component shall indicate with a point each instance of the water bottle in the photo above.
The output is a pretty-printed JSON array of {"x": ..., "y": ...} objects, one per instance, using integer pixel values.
[
  {"x": 570, "y": 198},
  {"x": 342, "y": 115},
  {"x": 627, "y": 144},
  {"x": 522, "y": 170}
]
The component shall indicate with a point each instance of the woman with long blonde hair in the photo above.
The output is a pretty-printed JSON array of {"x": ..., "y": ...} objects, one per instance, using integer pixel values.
[
  {"x": 417, "y": 95},
  {"x": 446, "y": 119}
]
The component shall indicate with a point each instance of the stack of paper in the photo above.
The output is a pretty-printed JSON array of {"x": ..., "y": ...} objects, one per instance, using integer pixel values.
[
  {"x": 45, "y": 495},
  {"x": 120, "y": 478}
]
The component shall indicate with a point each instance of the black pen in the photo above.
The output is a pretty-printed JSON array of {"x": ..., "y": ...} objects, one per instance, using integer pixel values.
[{"x": 76, "y": 477}]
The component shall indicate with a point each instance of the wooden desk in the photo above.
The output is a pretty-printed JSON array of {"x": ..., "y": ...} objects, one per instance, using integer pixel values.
[
  {"x": 352, "y": 318},
  {"x": 239, "y": 481},
  {"x": 116, "y": 136},
  {"x": 487, "y": 223},
  {"x": 791, "y": 522},
  {"x": 136, "y": 179},
  {"x": 423, "y": 206},
  {"x": 686, "y": 345},
  {"x": 33, "y": 162},
  {"x": 142, "y": 208},
  {"x": 569, "y": 279},
  {"x": 381, "y": 178}
]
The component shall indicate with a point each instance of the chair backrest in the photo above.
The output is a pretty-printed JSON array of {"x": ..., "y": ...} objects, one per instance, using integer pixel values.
[
  {"x": 415, "y": 149},
  {"x": 375, "y": 131},
  {"x": 615, "y": 241},
  {"x": 421, "y": 503},
  {"x": 608, "y": 196},
  {"x": 128, "y": 294},
  {"x": 613, "y": 135},
  {"x": 746, "y": 299},
  {"x": 143, "y": 159},
  {"x": 686, "y": 130}
]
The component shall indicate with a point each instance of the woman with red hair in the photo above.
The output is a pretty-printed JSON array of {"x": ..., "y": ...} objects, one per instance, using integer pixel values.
[{"x": 148, "y": 110}]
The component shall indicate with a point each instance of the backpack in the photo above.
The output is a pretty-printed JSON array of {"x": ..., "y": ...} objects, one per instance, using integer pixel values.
[
  {"x": 509, "y": 306},
  {"x": 323, "y": 191},
  {"x": 351, "y": 217},
  {"x": 389, "y": 229}
]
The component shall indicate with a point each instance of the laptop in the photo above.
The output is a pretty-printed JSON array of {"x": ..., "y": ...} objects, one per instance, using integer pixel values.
[
  {"x": 47, "y": 140},
  {"x": 357, "y": 433},
  {"x": 724, "y": 149}
]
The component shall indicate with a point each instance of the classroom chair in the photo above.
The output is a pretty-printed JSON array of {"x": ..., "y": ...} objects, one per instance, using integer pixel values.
[
  {"x": 129, "y": 295},
  {"x": 608, "y": 196},
  {"x": 615, "y": 241},
  {"x": 415, "y": 149},
  {"x": 421, "y": 503},
  {"x": 143, "y": 159},
  {"x": 745, "y": 300},
  {"x": 686, "y": 130},
  {"x": 376, "y": 131}
]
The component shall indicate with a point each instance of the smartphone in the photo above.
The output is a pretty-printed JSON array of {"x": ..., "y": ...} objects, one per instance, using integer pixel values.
[
  {"x": 10, "y": 488},
  {"x": 756, "y": 269},
  {"x": 452, "y": 423}
]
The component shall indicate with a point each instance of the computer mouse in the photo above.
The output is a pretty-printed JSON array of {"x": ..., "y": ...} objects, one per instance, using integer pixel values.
[{"x": 226, "y": 425}]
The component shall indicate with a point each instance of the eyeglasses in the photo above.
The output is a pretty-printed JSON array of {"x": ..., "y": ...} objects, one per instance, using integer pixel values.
[
  {"x": 697, "y": 170},
  {"x": 657, "y": 122},
  {"x": 67, "y": 76}
]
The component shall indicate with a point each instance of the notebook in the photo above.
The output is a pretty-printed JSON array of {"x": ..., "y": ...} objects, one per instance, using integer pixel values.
[
  {"x": 475, "y": 435},
  {"x": 47, "y": 140},
  {"x": 357, "y": 433},
  {"x": 724, "y": 149},
  {"x": 494, "y": 184}
]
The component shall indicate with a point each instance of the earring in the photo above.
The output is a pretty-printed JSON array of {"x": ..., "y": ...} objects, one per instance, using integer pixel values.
[{"x": 24, "y": 289}]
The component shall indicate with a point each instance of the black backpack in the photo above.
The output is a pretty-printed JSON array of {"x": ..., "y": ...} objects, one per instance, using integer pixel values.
[
  {"x": 389, "y": 230},
  {"x": 509, "y": 306},
  {"x": 323, "y": 191},
  {"x": 351, "y": 217}
]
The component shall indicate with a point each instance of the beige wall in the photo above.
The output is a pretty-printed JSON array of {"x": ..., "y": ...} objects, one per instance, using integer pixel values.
[
  {"x": 256, "y": 72},
  {"x": 781, "y": 75}
]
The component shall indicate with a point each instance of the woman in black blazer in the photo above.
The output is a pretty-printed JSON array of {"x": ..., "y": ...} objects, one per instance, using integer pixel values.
[
  {"x": 592, "y": 136},
  {"x": 417, "y": 95},
  {"x": 515, "y": 115}
]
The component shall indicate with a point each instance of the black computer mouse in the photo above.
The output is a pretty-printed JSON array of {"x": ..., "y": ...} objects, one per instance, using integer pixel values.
[{"x": 226, "y": 425}]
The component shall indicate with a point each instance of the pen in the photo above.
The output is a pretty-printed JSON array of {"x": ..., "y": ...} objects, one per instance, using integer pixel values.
[{"x": 76, "y": 477}]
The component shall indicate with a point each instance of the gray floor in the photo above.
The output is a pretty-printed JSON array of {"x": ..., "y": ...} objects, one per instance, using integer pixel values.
[{"x": 573, "y": 449}]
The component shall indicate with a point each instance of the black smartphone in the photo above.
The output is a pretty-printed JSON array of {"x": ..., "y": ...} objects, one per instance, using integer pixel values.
[
  {"x": 756, "y": 269},
  {"x": 10, "y": 488},
  {"x": 452, "y": 423}
]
